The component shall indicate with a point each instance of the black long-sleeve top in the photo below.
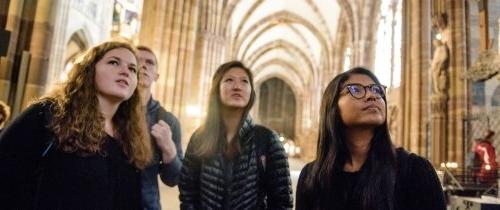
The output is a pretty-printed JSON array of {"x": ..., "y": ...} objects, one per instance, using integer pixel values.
[
  {"x": 417, "y": 187},
  {"x": 61, "y": 180}
]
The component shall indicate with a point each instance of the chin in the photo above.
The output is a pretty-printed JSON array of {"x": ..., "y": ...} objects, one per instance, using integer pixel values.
[
  {"x": 123, "y": 97},
  {"x": 236, "y": 106},
  {"x": 371, "y": 122}
]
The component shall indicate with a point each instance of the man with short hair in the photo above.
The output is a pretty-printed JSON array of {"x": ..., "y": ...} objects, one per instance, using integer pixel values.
[{"x": 165, "y": 135}]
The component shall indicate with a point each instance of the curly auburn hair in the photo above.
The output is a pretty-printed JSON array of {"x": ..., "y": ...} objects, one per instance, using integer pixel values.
[{"x": 79, "y": 125}]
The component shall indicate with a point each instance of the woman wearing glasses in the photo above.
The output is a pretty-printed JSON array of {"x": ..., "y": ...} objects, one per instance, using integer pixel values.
[{"x": 357, "y": 166}]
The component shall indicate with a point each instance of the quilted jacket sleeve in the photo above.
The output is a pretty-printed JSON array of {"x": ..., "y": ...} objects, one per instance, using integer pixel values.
[
  {"x": 277, "y": 179},
  {"x": 189, "y": 183}
]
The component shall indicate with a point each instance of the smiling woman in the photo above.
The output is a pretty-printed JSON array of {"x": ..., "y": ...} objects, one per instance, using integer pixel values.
[{"x": 81, "y": 146}]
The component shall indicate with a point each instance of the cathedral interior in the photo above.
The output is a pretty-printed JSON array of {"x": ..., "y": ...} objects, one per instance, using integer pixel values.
[{"x": 439, "y": 59}]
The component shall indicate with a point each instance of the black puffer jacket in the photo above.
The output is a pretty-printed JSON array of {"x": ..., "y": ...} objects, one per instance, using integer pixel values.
[{"x": 214, "y": 184}]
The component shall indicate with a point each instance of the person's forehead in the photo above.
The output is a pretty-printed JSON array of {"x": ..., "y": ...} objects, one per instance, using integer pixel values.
[
  {"x": 360, "y": 79},
  {"x": 145, "y": 54},
  {"x": 236, "y": 72},
  {"x": 122, "y": 54}
]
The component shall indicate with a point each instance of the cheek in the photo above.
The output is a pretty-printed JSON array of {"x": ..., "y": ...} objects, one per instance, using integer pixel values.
[
  {"x": 222, "y": 89},
  {"x": 347, "y": 111},
  {"x": 100, "y": 84},
  {"x": 248, "y": 91},
  {"x": 134, "y": 81}
]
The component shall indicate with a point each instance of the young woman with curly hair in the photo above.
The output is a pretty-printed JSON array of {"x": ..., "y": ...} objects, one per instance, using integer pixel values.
[{"x": 81, "y": 146}]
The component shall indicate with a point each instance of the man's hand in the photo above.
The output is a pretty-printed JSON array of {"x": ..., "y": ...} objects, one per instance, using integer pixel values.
[{"x": 163, "y": 138}]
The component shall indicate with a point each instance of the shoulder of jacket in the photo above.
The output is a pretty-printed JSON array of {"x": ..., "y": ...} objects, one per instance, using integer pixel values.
[
  {"x": 410, "y": 162},
  {"x": 264, "y": 131}
]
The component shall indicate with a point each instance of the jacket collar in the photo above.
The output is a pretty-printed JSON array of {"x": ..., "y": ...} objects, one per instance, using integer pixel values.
[
  {"x": 152, "y": 104},
  {"x": 246, "y": 128}
]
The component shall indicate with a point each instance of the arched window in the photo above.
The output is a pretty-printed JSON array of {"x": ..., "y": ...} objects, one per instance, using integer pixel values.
[
  {"x": 75, "y": 46},
  {"x": 388, "y": 47},
  {"x": 347, "y": 59}
]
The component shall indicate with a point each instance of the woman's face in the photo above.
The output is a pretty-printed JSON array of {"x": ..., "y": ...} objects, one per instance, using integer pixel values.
[
  {"x": 361, "y": 103},
  {"x": 235, "y": 88},
  {"x": 116, "y": 75}
]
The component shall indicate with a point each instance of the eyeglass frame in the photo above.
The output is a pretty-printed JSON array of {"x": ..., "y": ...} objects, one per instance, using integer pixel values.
[{"x": 384, "y": 88}]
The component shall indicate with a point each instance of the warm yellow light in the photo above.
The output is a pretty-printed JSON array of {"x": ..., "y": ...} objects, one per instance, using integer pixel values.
[
  {"x": 193, "y": 111},
  {"x": 439, "y": 36},
  {"x": 297, "y": 150},
  {"x": 487, "y": 167},
  {"x": 449, "y": 165}
]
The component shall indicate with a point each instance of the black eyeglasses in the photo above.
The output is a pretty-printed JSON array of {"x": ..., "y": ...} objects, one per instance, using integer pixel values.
[{"x": 358, "y": 91}]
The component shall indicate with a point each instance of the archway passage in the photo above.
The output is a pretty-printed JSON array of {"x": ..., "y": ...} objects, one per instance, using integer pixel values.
[
  {"x": 277, "y": 107},
  {"x": 76, "y": 45}
]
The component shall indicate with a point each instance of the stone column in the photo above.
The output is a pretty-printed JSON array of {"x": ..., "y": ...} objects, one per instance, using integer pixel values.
[
  {"x": 43, "y": 28},
  {"x": 169, "y": 28},
  {"x": 415, "y": 85},
  {"x": 458, "y": 86},
  {"x": 209, "y": 54},
  {"x": 438, "y": 128},
  {"x": 13, "y": 25}
]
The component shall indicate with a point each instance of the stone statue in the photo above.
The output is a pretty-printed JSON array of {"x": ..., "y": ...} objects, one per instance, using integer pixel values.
[
  {"x": 439, "y": 67},
  {"x": 441, "y": 58}
]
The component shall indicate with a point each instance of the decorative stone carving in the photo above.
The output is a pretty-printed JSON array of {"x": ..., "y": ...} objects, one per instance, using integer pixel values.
[
  {"x": 441, "y": 59},
  {"x": 487, "y": 64}
]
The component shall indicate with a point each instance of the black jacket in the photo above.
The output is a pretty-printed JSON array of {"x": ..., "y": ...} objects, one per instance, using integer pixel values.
[
  {"x": 61, "y": 180},
  {"x": 241, "y": 183},
  {"x": 417, "y": 187}
]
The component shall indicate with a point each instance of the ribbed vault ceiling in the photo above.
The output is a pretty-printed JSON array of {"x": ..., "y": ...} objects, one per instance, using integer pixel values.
[{"x": 288, "y": 39}]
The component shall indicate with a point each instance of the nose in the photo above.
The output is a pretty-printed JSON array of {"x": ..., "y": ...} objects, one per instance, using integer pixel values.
[
  {"x": 142, "y": 65},
  {"x": 371, "y": 95},
  {"x": 124, "y": 71},
  {"x": 236, "y": 85}
]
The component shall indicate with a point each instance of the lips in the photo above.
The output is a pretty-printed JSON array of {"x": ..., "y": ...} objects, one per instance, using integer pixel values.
[
  {"x": 122, "y": 82},
  {"x": 369, "y": 107},
  {"x": 237, "y": 95}
]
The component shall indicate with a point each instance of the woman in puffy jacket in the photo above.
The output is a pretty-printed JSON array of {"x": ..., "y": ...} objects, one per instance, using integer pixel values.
[{"x": 231, "y": 163}]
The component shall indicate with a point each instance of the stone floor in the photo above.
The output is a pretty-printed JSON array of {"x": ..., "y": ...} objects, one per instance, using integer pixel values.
[{"x": 170, "y": 195}]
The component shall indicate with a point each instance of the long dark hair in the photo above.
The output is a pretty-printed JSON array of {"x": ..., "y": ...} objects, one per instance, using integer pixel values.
[
  {"x": 210, "y": 137},
  {"x": 377, "y": 176}
]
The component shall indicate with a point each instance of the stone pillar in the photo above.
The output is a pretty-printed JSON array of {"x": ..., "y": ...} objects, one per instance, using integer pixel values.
[
  {"x": 415, "y": 85},
  {"x": 438, "y": 128},
  {"x": 12, "y": 25},
  {"x": 169, "y": 29},
  {"x": 209, "y": 54},
  {"x": 367, "y": 29},
  {"x": 458, "y": 86},
  {"x": 43, "y": 28}
]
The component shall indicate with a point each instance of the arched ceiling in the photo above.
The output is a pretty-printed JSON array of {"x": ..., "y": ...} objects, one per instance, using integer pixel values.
[{"x": 274, "y": 36}]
